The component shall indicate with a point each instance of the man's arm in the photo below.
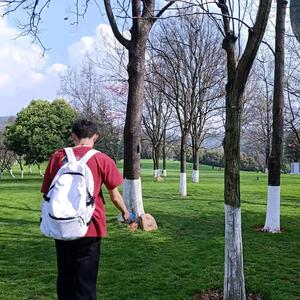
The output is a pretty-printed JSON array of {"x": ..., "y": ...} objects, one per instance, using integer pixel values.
[{"x": 118, "y": 202}]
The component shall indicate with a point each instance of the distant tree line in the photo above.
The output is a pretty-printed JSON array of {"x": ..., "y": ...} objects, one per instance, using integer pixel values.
[{"x": 183, "y": 104}]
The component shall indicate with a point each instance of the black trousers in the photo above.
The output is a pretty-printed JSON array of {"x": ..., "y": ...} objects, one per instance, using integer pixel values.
[{"x": 77, "y": 268}]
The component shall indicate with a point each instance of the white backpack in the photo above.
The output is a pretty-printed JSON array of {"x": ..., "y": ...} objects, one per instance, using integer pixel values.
[{"x": 68, "y": 207}]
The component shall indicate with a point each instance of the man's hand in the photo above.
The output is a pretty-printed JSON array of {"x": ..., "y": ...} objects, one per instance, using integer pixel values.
[
  {"x": 118, "y": 201},
  {"x": 126, "y": 217}
]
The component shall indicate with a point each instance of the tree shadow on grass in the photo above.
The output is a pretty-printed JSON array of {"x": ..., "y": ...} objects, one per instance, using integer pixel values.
[
  {"x": 21, "y": 208},
  {"x": 28, "y": 268},
  {"x": 286, "y": 200},
  {"x": 183, "y": 257},
  {"x": 21, "y": 180},
  {"x": 10, "y": 222},
  {"x": 4, "y": 236},
  {"x": 20, "y": 189},
  {"x": 199, "y": 227}
]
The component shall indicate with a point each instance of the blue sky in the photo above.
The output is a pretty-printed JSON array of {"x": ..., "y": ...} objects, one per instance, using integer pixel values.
[{"x": 24, "y": 74}]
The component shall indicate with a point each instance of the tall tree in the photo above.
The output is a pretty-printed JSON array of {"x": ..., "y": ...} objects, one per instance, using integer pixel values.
[
  {"x": 143, "y": 15},
  {"x": 207, "y": 67},
  {"x": 272, "y": 223},
  {"x": 257, "y": 129},
  {"x": 42, "y": 127},
  {"x": 239, "y": 63},
  {"x": 15, "y": 141},
  {"x": 157, "y": 113},
  {"x": 292, "y": 110},
  {"x": 91, "y": 98},
  {"x": 7, "y": 157},
  {"x": 295, "y": 18},
  {"x": 83, "y": 87},
  {"x": 176, "y": 45}
]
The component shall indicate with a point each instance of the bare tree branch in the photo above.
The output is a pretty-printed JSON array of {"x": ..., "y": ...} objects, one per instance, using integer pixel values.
[{"x": 112, "y": 21}]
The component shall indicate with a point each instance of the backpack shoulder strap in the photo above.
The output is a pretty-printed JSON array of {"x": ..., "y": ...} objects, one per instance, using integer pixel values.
[
  {"x": 88, "y": 155},
  {"x": 70, "y": 154}
]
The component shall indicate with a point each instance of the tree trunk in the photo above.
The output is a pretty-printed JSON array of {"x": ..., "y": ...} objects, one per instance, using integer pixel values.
[
  {"x": 272, "y": 223},
  {"x": 164, "y": 158},
  {"x": 195, "y": 174},
  {"x": 268, "y": 141},
  {"x": 294, "y": 17},
  {"x": 237, "y": 75},
  {"x": 234, "y": 282},
  {"x": 132, "y": 191},
  {"x": 40, "y": 170},
  {"x": 21, "y": 168},
  {"x": 155, "y": 158},
  {"x": 182, "y": 182},
  {"x": 30, "y": 169},
  {"x": 11, "y": 173}
]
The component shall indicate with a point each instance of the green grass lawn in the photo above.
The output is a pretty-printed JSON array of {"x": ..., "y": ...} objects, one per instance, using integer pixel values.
[{"x": 184, "y": 257}]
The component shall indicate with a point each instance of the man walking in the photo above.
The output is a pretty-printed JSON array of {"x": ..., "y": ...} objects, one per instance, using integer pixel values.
[{"x": 78, "y": 260}]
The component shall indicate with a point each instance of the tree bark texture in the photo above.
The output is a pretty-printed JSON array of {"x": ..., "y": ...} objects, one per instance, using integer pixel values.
[
  {"x": 195, "y": 150},
  {"x": 132, "y": 128},
  {"x": 183, "y": 153},
  {"x": 272, "y": 223},
  {"x": 237, "y": 75},
  {"x": 232, "y": 149},
  {"x": 143, "y": 18},
  {"x": 155, "y": 158},
  {"x": 234, "y": 282},
  {"x": 275, "y": 160},
  {"x": 164, "y": 157}
]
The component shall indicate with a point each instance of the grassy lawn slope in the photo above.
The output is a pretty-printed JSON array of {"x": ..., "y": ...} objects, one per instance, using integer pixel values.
[{"x": 184, "y": 257}]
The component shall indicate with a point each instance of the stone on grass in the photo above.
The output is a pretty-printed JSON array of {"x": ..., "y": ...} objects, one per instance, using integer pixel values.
[
  {"x": 148, "y": 223},
  {"x": 159, "y": 178}
]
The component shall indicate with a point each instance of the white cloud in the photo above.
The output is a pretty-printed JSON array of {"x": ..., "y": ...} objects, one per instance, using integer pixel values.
[
  {"x": 78, "y": 50},
  {"x": 24, "y": 73},
  {"x": 105, "y": 37},
  {"x": 56, "y": 69},
  {"x": 101, "y": 46},
  {"x": 4, "y": 80}
]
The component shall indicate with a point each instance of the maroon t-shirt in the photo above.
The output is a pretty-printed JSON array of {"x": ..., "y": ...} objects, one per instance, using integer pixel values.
[{"x": 104, "y": 171}]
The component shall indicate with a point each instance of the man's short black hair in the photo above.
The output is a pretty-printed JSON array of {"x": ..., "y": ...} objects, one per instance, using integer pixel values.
[{"x": 84, "y": 128}]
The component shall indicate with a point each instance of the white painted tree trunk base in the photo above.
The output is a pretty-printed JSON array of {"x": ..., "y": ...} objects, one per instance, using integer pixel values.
[
  {"x": 182, "y": 185},
  {"x": 164, "y": 173},
  {"x": 132, "y": 194},
  {"x": 156, "y": 173},
  {"x": 11, "y": 173},
  {"x": 272, "y": 223},
  {"x": 22, "y": 174},
  {"x": 30, "y": 170},
  {"x": 41, "y": 173},
  {"x": 195, "y": 176},
  {"x": 295, "y": 168},
  {"x": 234, "y": 282}
]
